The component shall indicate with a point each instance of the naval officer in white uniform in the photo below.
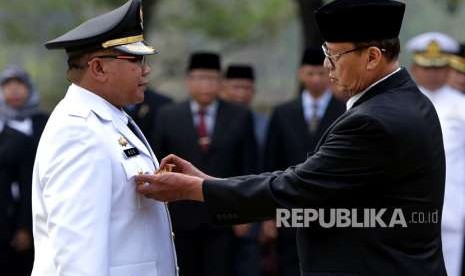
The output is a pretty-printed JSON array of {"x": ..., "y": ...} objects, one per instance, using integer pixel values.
[
  {"x": 430, "y": 69},
  {"x": 88, "y": 219}
]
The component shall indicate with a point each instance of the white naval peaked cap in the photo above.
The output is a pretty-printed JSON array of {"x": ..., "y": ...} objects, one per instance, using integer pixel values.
[
  {"x": 420, "y": 43},
  {"x": 432, "y": 49}
]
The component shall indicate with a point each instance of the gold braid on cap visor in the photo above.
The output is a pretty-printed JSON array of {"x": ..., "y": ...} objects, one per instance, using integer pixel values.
[
  {"x": 458, "y": 63},
  {"x": 122, "y": 41}
]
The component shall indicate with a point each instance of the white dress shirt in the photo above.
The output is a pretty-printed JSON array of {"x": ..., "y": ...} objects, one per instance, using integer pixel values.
[
  {"x": 24, "y": 126},
  {"x": 210, "y": 115},
  {"x": 308, "y": 103}
]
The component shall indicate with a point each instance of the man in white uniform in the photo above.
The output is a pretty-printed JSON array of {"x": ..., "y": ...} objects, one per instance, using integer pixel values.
[
  {"x": 457, "y": 70},
  {"x": 88, "y": 219},
  {"x": 430, "y": 69}
]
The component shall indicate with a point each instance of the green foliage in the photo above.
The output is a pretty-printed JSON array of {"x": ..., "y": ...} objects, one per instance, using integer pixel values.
[
  {"x": 31, "y": 21},
  {"x": 230, "y": 21},
  {"x": 452, "y": 6},
  {"x": 24, "y": 28}
]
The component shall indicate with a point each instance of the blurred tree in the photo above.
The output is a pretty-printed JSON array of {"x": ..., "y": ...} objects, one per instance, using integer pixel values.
[
  {"x": 27, "y": 22},
  {"x": 233, "y": 22},
  {"x": 452, "y": 6}
]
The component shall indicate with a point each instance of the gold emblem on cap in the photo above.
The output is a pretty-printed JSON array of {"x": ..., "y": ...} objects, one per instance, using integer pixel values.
[
  {"x": 432, "y": 56},
  {"x": 433, "y": 49},
  {"x": 122, "y": 141}
]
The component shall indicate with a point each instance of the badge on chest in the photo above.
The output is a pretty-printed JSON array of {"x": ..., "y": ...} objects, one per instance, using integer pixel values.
[{"x": 131, "y": 152}]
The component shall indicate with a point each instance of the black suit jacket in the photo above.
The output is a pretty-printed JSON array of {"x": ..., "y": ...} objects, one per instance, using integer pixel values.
[
  {"x": 14, "y": 167},
  {"x": 232, "y": 151},
  {"x": 385, "y": 152},
  {"x": 289, "y": 142},
  {"x": 39, "y": 120}
]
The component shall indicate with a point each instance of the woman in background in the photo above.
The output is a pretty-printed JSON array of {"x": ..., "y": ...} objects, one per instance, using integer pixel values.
[
  {"x": 23, "y": 124},
  {"x": 19, "y": 103}
]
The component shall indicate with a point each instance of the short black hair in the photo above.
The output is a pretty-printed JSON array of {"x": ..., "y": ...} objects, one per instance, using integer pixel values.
[{"x": 390, "y": 47}]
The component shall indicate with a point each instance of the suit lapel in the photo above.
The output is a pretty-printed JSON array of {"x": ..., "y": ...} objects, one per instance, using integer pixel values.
[
  {"x": 300, "y": 125},
  {"x": 393, "y": 81},
  {"x": 189, "y": 132},
  {"x": 325, "y": 134},
  {"x": 222, "y": 115},
  {"x": 331, "y": 113}
]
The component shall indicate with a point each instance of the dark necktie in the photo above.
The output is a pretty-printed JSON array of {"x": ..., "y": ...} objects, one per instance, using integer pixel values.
[
  {"x": 131, "y": 126},
  {"x": 204, "y": 140},
  {"x": 314, "y": 120}
]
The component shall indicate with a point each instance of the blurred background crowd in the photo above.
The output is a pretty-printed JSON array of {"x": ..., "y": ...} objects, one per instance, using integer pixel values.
[{"x": 239, "y": 87}]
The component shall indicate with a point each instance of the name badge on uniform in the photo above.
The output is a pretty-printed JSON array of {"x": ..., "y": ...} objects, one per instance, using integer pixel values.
[{"x": 131, "y": 152}]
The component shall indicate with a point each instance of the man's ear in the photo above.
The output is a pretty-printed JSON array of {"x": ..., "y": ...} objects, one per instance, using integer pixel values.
[
  {"x": 374, "y": 57},
  {"x": 97, "y": 70}
]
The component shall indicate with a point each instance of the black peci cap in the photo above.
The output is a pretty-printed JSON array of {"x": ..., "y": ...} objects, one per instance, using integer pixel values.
[
  {"x": 204, "y": 60},
  {"x": 240, "y": 71},
  {"x": 360, "y": 20},
  {"x": 120, "y": 29},
  {"x": 313, "y": 56}
]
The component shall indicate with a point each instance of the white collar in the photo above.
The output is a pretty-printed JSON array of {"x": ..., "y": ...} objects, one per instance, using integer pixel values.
[
  {"x": 209, "y": 110},
  {"x": 308, "y": 99},
  {"x": 25, "y": 126},
  {"x": 85, "y": 101},
  {"x": 357, "y": 96}
]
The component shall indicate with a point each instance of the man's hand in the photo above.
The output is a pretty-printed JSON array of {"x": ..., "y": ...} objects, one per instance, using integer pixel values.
[
  {"x": 268, "y": 232},
  {"x": 242, "y": 230},
  {"x": 182, "y": 166},
  {"x": 170, "y": 186},
  {"x": 22, "y": 240}
]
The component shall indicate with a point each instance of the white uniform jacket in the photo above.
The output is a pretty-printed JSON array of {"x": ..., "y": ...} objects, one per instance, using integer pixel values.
[
  {"x": 88, "y": 219},
  {"x": 450, "y": 106}
]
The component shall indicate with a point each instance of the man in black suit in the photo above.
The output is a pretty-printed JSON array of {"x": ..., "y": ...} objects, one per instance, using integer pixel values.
[
  {"x": 384, "y": 153},
  {"x": 295, "y": 128},
  {"x": 145, "y": 113},
  {"x": 219, "y": 138},
  {"x": 15, "y": 217}
]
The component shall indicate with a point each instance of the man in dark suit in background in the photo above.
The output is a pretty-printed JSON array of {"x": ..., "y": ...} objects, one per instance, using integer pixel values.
[
  {"x": 218, "y": 137},
  {"x": 384, "y": 153},
  {"x": 239, "y": 88},
  {"x": 295, "y": 128},
  {"x": 145, "y": 113}
]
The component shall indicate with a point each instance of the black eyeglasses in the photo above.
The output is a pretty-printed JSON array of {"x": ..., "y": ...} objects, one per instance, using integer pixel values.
[
  {"x": 141, "y": 60},
  {"x": 333, "y": 58}
]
